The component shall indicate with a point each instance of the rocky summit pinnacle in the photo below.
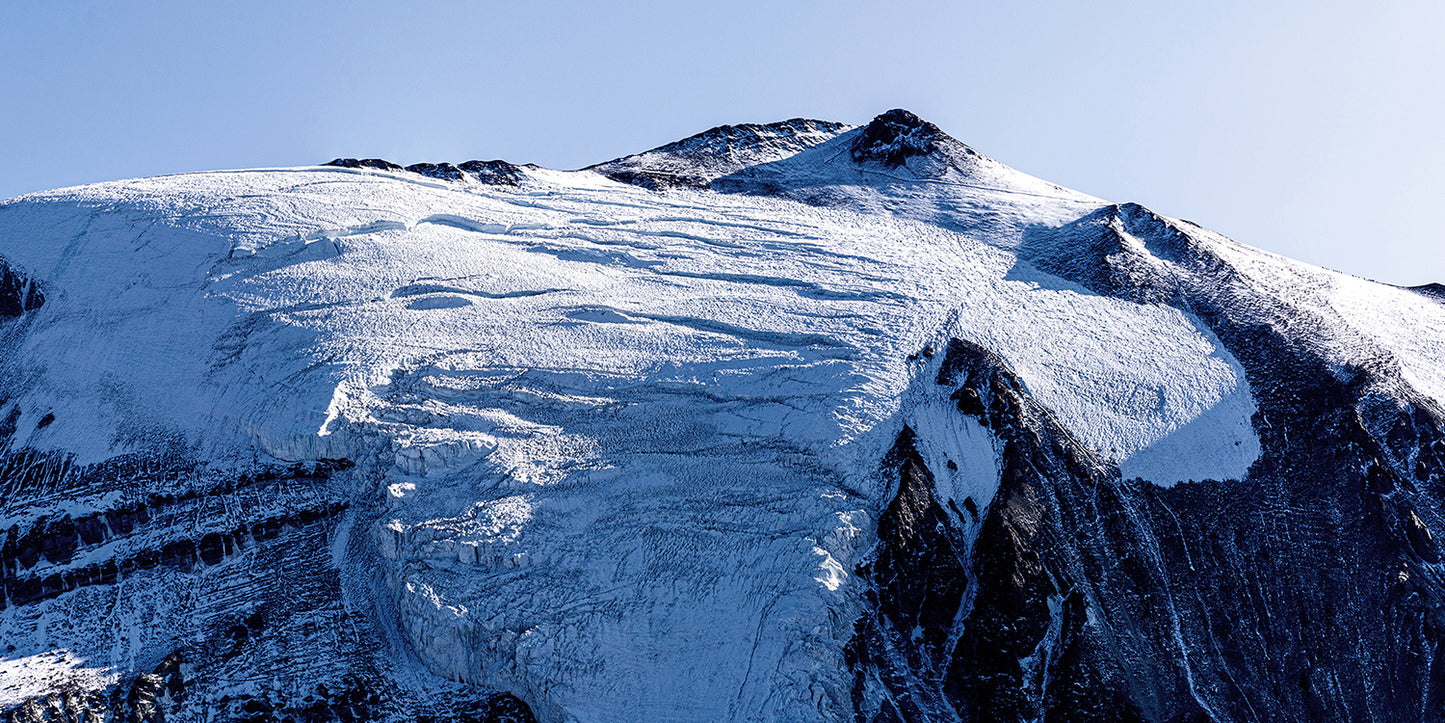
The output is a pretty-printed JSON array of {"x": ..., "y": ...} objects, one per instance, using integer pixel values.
[
  {"x": 798, "y": 421},
  {"x": 895, "y": 136}
]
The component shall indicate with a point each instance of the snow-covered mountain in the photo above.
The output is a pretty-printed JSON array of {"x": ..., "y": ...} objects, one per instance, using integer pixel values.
[{"x": 795, "y": 422}]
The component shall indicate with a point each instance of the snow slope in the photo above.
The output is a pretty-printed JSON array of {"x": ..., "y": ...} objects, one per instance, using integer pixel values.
[{"x": 622, "y": 443}]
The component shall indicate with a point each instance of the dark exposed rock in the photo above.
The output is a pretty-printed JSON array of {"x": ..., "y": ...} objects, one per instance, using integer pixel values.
[
  {"x": 443, "y": 171},
  {"x": 1434, "y": 291},
  {"x": 144, "y": 560},
  {"x": 376, "y": 163},
  {"x": 1097, "y": 598},
  {"x": 268, "y": 529},
  {"x": 63, "y": 707},
  {"x": 180, "y": 554},
  {"x": 153, "y": 692},
  {"x": 124, "y": 519},
  {"x": 283, "y": 582},
  {"x": 1421, "y": 541},
  {"x": 22, "y": 547},
  {"x": 497, "y": 173},
  {"x": 18, "y": 293},
  {"x": 894, "y": 137},
  {"x": 8, "y": 424},
  {"x": 972, "y": 507},
  {"x": 918, "y": 566},
  {"x": 91, "y": 529},
  {"x": 212, "y": 549},
  {"x": 658, "y": 180},
  {"x": 59, "y": 540},
  {"x": 993, "y": 671},
  {"x": 919, "y": 582},
  {"x": 496, "y": 708},
  {"x": 151, "y": 697},
  {"x": 145, "y": 699},
  {"x": 698, "y": 160}
]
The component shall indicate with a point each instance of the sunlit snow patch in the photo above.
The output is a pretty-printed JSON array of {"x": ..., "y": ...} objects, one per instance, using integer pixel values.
[
  {"x": 1145, "y": 386},
  {"x": 33, "y": 676},
  {"x": 1408, "y": 324},
  {"x": 958, "y": 451}
]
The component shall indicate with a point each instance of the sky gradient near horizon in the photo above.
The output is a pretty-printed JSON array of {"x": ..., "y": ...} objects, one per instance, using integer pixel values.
[{"x": 1311, "y": 129}]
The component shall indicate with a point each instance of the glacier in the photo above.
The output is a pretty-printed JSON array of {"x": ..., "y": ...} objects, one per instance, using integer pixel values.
[{"x": 665, "y": 438}]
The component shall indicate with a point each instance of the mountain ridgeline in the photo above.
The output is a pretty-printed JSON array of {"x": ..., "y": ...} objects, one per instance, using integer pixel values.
[{"x": 799, "y": 421}]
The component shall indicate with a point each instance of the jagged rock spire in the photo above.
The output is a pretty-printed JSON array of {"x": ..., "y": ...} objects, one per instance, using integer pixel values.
[{"x": 895, "y": 136}]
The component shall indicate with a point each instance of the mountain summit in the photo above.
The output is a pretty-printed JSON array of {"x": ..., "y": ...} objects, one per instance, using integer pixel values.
[
  {"x": 800, "y": 421},
  {"x": 820, "y": 163},
  {"x": 896, "y": 136}
]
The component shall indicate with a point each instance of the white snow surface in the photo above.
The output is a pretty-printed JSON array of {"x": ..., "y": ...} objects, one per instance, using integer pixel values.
[
  {"x": 1352, "y": 321},
  {"x": 631, "y": 438},
  {"x": 35, "y": 676}
]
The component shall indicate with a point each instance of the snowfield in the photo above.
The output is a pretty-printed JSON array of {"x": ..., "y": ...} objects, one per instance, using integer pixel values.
[{"x": 623, "y": 443}]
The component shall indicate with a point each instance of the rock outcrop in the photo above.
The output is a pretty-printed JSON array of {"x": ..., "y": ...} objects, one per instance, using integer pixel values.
[
  {"x": 18, "y": 293},
  {"x": 495, "y": 173}
]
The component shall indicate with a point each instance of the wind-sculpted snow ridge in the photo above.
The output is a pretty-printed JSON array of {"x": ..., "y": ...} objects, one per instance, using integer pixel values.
[{"x": 849, "y": 423}]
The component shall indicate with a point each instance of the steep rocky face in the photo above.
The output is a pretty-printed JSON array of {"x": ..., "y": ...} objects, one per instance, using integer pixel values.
[
  {"x": 45, "y": 557},
  {"x": 1092, "y": 597},
  {"x": 221, "y": 584},
  {"x": 18, "y": 294},
  {"x": 245, "y": 562}
]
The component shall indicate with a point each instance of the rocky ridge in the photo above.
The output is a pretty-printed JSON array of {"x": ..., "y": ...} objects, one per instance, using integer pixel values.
[{"x": 496, "y": 173}]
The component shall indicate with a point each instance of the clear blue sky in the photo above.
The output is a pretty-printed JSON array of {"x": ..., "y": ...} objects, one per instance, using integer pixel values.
[{"x": 1313, "y": 129}]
